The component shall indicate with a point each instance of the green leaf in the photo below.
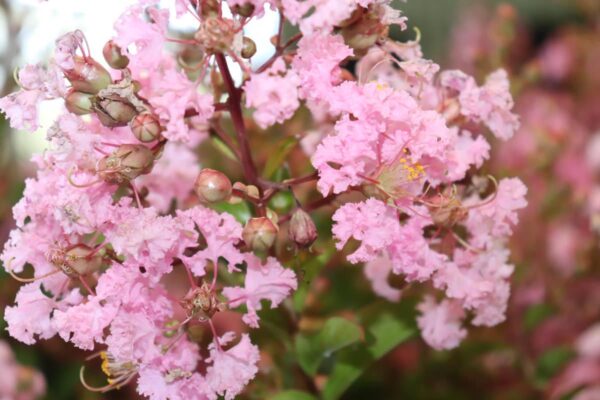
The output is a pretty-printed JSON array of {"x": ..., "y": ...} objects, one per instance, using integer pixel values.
[
  {"x": 223, "y": 148},
  {"x": 293, "y": 395},
  {"x": 336, "y": 334},
  {"x": 551, "y": 361},
  {"x": 278, "y": 156},
  {"x": 240, "y": 211},
  {"x": 384, "y": 333},
  {"x": 536, "y": 314},
  {"x": 307, "y": 273}
]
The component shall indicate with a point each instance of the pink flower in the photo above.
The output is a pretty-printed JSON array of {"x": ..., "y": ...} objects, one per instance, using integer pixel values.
[
  {"x": 440, "y": 323},
  {"x": 84, "y": 324},
  {"x": 490, "y": 104},
  {"x": 172, "y": 95},
  {"x": 172, "y": 177},
  {"x": 231, "y": 370},
  {"x": 371, "y": 222},
  {"x": 274, "y": 94},
  {"x": 378, "y": 271},
  {"x": 270, "y": 282},
  {"x": 495, "y": 219},
  {"x": 18, "y": 382},
  {"x": 221, "y": 232}
]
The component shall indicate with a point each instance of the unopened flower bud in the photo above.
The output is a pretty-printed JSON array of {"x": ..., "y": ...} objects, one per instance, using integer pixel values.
[
  {"x": 114, "y": 55},
  {"x": 79, "y": 103},
  {"x": 88, "y": 76},
  {"x": 364, "y": 31},
  {"x": 302, "y": 229},
  {"x": 259, "y": 234},
  {"x": 248, "y": 47},
  {"x": 114, "y": 110},
  {"x": 212, "y": 186},
  {"x": 126, "y": 163},
  {"x": 244, "y": 10},
  {"x": 146, "y": 127}
]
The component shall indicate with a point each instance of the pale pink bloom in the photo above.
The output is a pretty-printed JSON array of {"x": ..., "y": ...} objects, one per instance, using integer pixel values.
[
  {"x": 495, "y": 219},
  {"x": 221, "y": 232},
  {"x": 317, "y": 65},
  {"x": 441, "y": 323},
  {"x": 153, "y": 384},
  {"x": 172, "y": 94},
  {"x": 84, "y": 324},
  {"x": 231, "y": 370},
  {"x": 591, "y": 393},
  {"x": 18, "y": 382},
  {"x": 490, "y": 104},
  {"x": 588, "y": 343},
  {"x": 143, "y": 40},
  {"x": 146, "y": 237},
  {"x": 132, "y": 337},
  {"x": 66, "y": 47},
  {"x": 371, "y": 222},
  {"x": 273, "y": 94},
  {"x": 377, "y": 272},
  {"x": 564, "y": 241},
  {"x": 172, "y": 177},
  {"x": 37, "y": 84},
  {"x": 268, "y": 281},
  {"x": 31, "y": 316}
]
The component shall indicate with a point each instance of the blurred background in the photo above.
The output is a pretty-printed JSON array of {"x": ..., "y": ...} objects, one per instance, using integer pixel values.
[{"x": 549, "y": 347}]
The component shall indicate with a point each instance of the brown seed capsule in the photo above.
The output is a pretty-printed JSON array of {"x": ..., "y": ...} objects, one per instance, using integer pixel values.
[
  {"x": 244, "y": 10},
  {"x": 259, "y": 234},
  {"x": 79, "y": 103},
  {"x": 146, "y": 127},
  {"x": 76, "y": 260},
  {"x": 126, "y": 163},
  {"x": 114, "y": 55},
  {"x": 302, "y": 229},
  {"x": 216, "y": 34},
  {"x": 202, "y": 303},
  {"x": 446, "y": 212},
  {"x": 88, "y": 76},
  {"x": 248, "y": 47},
  {"x": 113, "y": 110},
  {"x": 212, "y": 186}
]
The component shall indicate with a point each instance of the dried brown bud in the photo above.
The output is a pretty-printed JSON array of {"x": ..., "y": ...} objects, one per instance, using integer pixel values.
[
  {"x": 260, "y": 233},
  {"x": 79, "y": 103},
  {"x": 363, "y": 30},
  {"x": 88, "y": 76},
  {"x": 126, "y": 163},
  {"x": 114, "y": 55},
  {"x": 248, "y": 47},
  {"x": 216, "y": 34},
  {"x": 212, "y": 186},
  {"x": 446, "y": 212},
  {"x": 146, "y": 127},
  {"x": 76, "y": 260},
  {"x": 114, "y": 110},
  {"x": 244, "y": 10},
  {"x": 302, "y": 229},
  {"x": 202, "y": 303}
]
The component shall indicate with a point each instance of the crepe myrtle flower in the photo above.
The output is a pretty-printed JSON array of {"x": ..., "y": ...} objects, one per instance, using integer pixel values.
[{"x": 124, "y": 203}]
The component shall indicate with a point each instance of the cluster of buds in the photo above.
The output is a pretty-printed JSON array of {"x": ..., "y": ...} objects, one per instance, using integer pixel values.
[{"x": 115, "y": 104}]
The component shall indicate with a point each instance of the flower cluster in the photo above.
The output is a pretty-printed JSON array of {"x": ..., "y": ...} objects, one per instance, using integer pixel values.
[
  {"x": 110, "y": 221},
  {"x": 17, "y": 381}
]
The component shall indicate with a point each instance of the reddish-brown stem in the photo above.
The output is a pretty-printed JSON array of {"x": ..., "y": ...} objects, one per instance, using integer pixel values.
[
  {"x": 235, "y": 109},
  {"x": 278, "y": 52},
  {"x": 290, "y": 182},
  {"x": 218, "y": 130},
  {"x": 312, "y": 206},
  {"x": 241, "y": 194}
]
